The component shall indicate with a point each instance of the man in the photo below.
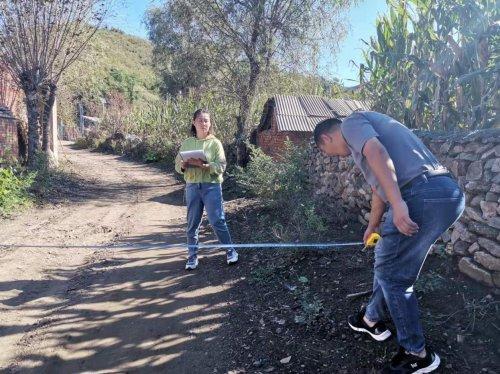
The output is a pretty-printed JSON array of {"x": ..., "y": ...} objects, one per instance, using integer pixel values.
[{"x": 424, "y": 201}]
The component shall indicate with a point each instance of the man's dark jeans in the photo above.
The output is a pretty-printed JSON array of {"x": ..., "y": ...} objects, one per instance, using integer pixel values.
[{"x": 434, "y": 203}]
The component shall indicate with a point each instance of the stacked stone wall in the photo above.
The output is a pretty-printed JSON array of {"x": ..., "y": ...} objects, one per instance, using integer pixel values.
[{"x": 474, "y": 159}]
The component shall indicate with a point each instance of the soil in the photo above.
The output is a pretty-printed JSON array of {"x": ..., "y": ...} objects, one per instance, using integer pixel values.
[{"x": 88, "y": 286}]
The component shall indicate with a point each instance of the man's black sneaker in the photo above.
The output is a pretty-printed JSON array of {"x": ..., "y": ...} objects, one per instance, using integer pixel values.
[
  {"x": 404, "y": 362},
  {"x": 379, "y": 331}
]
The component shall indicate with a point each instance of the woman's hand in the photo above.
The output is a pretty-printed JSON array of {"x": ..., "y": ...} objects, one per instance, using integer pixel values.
[{"x": 196, "y": 162}]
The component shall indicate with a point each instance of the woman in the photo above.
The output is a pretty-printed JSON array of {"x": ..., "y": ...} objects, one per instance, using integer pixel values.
[{"x": 203, "y": 186}]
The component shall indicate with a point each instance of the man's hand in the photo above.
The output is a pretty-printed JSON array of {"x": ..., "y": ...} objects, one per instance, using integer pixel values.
[
  {"x": 369, "y": 230},
  {"x": 401, "y": 219}
]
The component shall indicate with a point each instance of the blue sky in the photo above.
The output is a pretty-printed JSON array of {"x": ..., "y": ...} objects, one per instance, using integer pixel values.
[{"x": 129, "y": 15}]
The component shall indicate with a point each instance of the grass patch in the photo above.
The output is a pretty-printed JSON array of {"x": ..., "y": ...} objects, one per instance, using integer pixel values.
[{"x": 15, "y": 184}]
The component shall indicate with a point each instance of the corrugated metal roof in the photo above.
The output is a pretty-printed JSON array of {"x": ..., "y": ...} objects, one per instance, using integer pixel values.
[
  {"x": 303, "y": 113},
  {"x": 315, "y": 106},
  {"x": 289, "y": 105},
  {"x": 339, "y": 107}
]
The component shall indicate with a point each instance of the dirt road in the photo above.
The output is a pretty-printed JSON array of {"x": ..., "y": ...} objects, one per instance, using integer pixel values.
[{"x": 71, "y": 302}]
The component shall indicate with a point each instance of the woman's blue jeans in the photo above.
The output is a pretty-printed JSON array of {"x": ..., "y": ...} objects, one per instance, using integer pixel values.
[
  {"x": 434, "y": 203},
  {"x": 207, "y": 196}
]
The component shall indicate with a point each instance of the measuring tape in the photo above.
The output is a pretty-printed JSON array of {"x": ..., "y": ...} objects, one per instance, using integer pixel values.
[{"x": 370, "y": 243}]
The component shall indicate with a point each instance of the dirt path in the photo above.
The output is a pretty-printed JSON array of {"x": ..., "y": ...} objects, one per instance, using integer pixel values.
[
  {"x": 87, "y": 286},
  {"x": 71, "y": 303}
]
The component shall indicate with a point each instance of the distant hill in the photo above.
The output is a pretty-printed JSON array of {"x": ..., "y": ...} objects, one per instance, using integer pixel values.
[{"x": 113, "y": 61}]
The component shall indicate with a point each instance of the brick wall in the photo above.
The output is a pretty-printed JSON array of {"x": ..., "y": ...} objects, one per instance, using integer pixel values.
[{"x": 272, "y": 141}]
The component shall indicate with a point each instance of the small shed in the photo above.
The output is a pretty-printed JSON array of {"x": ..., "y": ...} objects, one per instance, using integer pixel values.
[{"x": 295, "y": 117}]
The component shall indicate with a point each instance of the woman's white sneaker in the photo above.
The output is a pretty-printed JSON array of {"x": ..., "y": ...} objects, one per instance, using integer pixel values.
[
  {"x": 192, "y": 263},
  {"x": 232, "y": 257}
]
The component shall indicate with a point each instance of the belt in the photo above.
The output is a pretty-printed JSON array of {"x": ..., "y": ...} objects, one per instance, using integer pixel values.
[{"x": 428, "y": 174}]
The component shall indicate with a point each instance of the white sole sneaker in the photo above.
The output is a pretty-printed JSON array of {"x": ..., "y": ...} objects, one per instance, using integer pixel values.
[
  {"x": 233, "y": 259},
  {"x": 380, "y": 337},
  {"x": 435, "y": 364},
  {"x": 192, "y": 266}
]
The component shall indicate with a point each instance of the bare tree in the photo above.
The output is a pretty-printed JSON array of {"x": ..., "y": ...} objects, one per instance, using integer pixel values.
[
  {"x": 39, "y": 39},
  {"x": 253, "y": 35}
]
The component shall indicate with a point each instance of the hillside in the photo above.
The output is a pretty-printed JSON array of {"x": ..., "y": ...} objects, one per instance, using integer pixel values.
[{"x": 113, "y": 61}]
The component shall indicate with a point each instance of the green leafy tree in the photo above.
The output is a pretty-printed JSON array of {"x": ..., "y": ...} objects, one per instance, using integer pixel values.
[
  {"x": 39, "y": 40},
  {"x": 243, "y": 40}
]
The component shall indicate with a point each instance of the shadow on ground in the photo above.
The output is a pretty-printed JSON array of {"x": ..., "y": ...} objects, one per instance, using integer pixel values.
[{"x": 136, "y": 310}]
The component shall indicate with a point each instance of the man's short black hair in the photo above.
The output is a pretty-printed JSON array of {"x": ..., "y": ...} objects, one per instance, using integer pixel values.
[{"x": 324, "y": 127}]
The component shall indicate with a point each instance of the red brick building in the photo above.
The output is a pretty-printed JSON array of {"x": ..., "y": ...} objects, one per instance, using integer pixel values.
[
  {"x": 294, "y": 118},
  {"x": 13, "y": 120},
  {"x": 10, "y": 112}
]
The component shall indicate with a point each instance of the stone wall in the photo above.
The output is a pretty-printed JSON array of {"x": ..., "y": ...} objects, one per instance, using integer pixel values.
[{"x": 474, "y": 158}]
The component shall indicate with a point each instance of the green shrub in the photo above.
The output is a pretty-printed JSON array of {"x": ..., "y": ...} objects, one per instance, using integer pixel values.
[
  {"x": 14, "y": 188},
  {"x": 284, "y": 185}
]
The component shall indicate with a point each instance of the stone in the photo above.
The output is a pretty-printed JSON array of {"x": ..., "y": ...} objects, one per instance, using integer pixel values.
[
  {"x": 468, "y": 267},
  {"x": 474, "y": 214},
  {"x": 476, "y": 200},
  {"x": 491, "y": 246},
  {"x": 496, "y": 279},
  {"x": 457, "y": 232},
  {"x": 488, "y": 154},
  {"x": 488, "y": 164},
  {"x": 489, "y": 209},
  {"x": 495, "y": 187},
  {"x": 483, "y": 230},
  {"x": 490, "y": 196},
  {"x": 458, "y": 167},
  {"x": 456, "y": 150},
  {"x": 460, "y": 248},
  {"x": 497, "y": 150},
  {"x": 476, "y": 147},
  {"x": 488, "y": 261},
  {"x": 487, "y": 176},
  {"x": 475, "y": 171},
  {"x": 468, "y": 237},
  {"x": 477, "y": 187},
  {"x": 480, "y": 149},
  {"x": 446, "y": 236},
  {"x": 495, "y": 168},
  {"x": 473, "y": 248},
  {"x": 445, "y": 147},
  {"x": 362, "y": 220},
  {"x": 494, "y": 222},
  {"x": 468, "y": 157}
]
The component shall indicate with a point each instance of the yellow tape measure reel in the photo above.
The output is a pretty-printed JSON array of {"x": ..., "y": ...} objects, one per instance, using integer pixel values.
[{"x": 372, "y": 240}]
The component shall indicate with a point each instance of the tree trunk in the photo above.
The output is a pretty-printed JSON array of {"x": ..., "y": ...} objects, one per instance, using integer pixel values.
[
  {"x": 33, "y": 125},
  {"x": 22, "y": 139},
  {"x": 244, "y": 117},
  {"x": 48, "y": 102}
]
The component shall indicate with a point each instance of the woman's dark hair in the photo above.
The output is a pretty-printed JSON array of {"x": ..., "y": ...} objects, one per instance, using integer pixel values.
[{"x": 195, "y": 115}]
